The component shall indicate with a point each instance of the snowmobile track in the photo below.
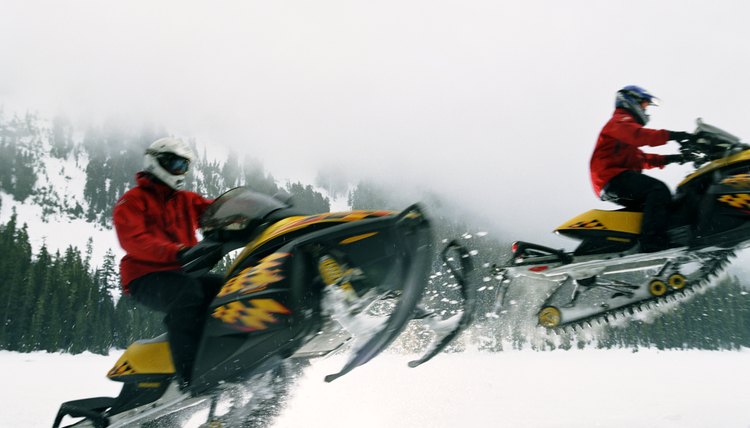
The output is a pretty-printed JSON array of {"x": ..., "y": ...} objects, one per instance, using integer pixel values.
[{"x": 674, "y": 297}]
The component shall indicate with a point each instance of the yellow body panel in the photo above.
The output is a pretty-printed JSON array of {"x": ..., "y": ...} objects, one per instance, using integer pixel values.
[
  {"x": 719, "y": 163},
  {"x": 618, "y": 221},
  {"x": 291, "y": 224},
  {"x": 144, "y": 358}
]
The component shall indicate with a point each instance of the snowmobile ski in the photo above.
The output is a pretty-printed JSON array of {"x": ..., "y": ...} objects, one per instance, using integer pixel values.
[{"x": 459, "y": 322}]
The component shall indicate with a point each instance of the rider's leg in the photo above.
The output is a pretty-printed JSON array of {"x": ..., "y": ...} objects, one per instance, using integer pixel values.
[
  {"x": 185, "y": 302},
  {"x": 655, "y": 196}
]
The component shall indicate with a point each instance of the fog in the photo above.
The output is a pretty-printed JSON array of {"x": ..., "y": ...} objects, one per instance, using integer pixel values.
[{"x": 494, "y": 105}]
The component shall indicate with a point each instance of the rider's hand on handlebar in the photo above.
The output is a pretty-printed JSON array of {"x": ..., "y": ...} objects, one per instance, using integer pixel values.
[
  {"x": 205, "y": 250},
  {"x": 681, "y": 137},
  {"x": 675, "y": 159}
]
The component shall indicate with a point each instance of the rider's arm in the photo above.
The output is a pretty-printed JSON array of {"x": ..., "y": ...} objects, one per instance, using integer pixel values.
[
  {"x": 136, "y": 238},
  {"x": 652, "y": 160},
  {"x": 626, "y": 130}
]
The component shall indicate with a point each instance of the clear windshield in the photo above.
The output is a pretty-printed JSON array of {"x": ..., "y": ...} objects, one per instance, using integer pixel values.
[{"x": 238, "y": 208}]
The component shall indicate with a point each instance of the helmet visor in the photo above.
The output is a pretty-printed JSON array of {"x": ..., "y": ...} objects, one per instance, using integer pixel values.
[{"x": 173, "y": 164}]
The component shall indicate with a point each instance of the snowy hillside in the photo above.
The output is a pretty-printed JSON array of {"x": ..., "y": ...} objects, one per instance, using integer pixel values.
[
  {"x": 47, "y": 180},
  {"x": 58, "y": 232}
]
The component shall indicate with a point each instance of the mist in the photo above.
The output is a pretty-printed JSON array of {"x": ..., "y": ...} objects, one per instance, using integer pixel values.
[{"x": 494, "y": 106}]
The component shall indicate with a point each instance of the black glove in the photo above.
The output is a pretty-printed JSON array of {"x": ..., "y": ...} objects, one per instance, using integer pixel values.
[
  {"x": 674, "y": 159},
  {"x": 681, "y": 137}
]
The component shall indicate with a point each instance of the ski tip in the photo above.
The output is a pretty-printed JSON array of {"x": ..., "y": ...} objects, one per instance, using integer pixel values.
[
  {"x": 415, "y": 363},
  {"x": 331, "y": 377}
]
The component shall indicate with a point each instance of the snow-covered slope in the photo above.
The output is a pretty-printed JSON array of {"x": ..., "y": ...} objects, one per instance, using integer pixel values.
[{"x": 61, "y": 180}]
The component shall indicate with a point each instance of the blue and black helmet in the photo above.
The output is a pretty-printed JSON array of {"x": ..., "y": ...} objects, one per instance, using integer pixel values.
[{"x": 630, "y": 98}]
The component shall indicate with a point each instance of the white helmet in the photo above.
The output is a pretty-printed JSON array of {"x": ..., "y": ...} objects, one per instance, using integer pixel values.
[{"x": 169, "y": 159}]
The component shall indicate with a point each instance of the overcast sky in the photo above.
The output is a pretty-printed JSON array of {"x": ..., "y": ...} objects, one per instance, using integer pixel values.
[{"x": 494, "y": 104}]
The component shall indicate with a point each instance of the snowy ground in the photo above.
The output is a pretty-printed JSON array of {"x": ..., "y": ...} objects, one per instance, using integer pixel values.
[{"x": 514, "y": 389}]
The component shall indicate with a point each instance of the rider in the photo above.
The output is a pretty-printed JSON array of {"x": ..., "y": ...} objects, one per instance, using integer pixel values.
[
  {"x": 617, "y": 162},
  {"x": 156, "y": 223}
]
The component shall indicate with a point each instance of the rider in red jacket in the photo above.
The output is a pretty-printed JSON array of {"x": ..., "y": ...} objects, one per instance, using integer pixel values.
[
  {"x": 156, "y": 223},
  {"x": 617, "y": 162}
]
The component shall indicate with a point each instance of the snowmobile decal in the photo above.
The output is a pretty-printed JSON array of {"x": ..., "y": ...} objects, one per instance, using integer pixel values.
[
  {"x": 593, "y": 224},
  {"x": 717, "y": 164},
  {"x": 620, "y": 221},
  {"x": 737, "y": 181},
  {"x": 252, "y": 317},
  {"x": 256, "y": 278},
  {"x": 144, "y": 358},
  {"x": 295, "y": 223},
  {"x": 741, "y": 200},
  {"x": 354, "y": 239}
]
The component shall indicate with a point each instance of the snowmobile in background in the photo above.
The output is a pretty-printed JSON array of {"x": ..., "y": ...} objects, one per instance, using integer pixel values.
[
  {"x": 301, "y": 287},
  {"x": 607, "y": 276}
]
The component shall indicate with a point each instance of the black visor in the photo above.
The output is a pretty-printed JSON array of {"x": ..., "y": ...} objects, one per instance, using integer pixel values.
[{"x": 175, "y": 165}]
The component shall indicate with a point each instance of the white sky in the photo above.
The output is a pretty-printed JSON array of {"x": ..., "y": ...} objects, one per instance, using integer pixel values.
[{"x": 496, "y": 105}]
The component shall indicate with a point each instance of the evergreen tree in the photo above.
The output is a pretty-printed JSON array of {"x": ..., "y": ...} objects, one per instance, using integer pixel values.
[
  {"x": 257, "y": 179},
  {"x": 307, "y": 199}
]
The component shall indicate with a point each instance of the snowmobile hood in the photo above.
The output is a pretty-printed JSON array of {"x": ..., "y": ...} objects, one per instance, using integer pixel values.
[
  {"x": 292, "y": 224},
  {"x": 743, "y": 156},
  {"x": 618, "y": 221}
]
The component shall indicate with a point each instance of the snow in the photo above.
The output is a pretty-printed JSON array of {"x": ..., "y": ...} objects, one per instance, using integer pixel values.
[
  {"x": 60, "y": 233},
  {"x": 578, "y": 388},
  {"x": 67, "y": 178}
]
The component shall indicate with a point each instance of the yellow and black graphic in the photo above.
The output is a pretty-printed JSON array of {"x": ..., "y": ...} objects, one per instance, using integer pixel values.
[
  {"x": 591, "y": 224},
  {"x": 357, "y": 238},
  {"x": 291, "y": 224},
  {"x": 256, "y": 278},
  {"x": 144, "y": 358},
  {"x": 742, "y": 156},
  {"x": 737, "y": 181},
  {"x": 342, "y": 217},
  {"x": 741, "y": 200},
  {"x": 251, "y": 316},
  {"x": 618, "y": 221}
]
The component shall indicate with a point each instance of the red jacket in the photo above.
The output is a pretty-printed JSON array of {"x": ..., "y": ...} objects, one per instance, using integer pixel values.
[
  {"x": 153, "y": 222},
  {"x": 617, "y": 149}
]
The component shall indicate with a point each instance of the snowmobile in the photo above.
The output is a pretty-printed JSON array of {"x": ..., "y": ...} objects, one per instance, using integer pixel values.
[
  {"x": 607, "y": 277},
  {"x": 302, "y": 286}
]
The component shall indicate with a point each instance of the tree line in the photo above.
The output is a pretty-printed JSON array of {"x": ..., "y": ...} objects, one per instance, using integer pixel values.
[{"x": 59, "y": 301}]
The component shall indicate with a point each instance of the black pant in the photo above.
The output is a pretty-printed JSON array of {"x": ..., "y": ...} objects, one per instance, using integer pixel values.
[
  {"x": 185, "y": 301},
  {"x": 641, "y": 192}
]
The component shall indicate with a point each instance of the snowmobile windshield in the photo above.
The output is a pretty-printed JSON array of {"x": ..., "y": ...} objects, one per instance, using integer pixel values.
[{"x": 237, "y": 209}]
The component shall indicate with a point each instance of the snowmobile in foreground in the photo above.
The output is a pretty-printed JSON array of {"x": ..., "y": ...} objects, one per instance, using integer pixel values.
[
  {"x": 607, "y": 276},
  {"x": 301, "y": 287}
]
